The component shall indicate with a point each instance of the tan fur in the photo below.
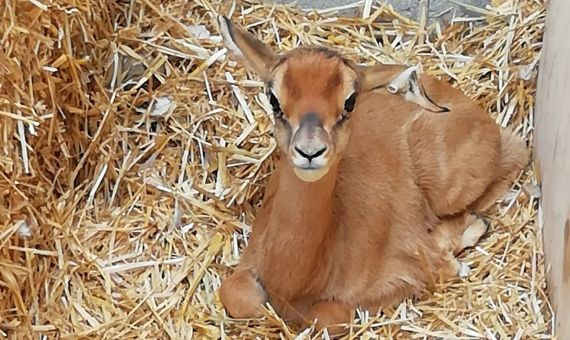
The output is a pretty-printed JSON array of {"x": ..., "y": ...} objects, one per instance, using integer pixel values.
[
  {"x": 394, "y": 206},
  {"x": 457, "y": 154}
]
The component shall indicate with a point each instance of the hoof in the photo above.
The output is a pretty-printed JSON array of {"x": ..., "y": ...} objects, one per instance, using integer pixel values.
[
  {"x": 242, "y": 296},
  {"x": 332, "y": 316},
  {"x": 473, "y": 233}
]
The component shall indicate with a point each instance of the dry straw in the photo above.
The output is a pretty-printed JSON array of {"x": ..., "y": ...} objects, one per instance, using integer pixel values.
[{"x": 134, "y": 153}]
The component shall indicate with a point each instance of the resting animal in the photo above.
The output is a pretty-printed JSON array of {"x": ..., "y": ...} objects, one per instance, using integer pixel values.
[{"x": 383, "y": 174}]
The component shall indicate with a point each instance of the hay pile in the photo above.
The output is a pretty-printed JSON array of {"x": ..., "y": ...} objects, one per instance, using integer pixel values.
[{"x": 133, "y": 156}]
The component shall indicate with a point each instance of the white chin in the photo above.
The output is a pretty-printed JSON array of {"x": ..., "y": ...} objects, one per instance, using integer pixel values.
[{"x": 311, "y": 175}]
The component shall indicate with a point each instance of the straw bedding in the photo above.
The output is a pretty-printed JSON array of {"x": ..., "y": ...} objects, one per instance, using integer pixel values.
[{"x": 134, "y": 153}]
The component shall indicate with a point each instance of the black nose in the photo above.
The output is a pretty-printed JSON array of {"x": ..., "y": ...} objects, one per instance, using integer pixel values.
[{"x": 312, "y": 153}]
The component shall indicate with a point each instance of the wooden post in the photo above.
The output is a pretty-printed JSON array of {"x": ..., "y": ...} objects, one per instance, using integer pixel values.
[{"x": 553, "y": 152}]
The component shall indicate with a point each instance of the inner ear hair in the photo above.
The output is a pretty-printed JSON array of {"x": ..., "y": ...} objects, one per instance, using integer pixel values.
[
  {"x": 255, "y": 54},
  {"x": 409, "y": 84}
]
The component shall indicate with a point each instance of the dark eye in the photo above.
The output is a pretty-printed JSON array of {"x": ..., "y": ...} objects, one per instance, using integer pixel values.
[
  {"x": 274, "y": 102},
  {"x": 349, "y": 103},
  {"x": 277, "y": 112}
]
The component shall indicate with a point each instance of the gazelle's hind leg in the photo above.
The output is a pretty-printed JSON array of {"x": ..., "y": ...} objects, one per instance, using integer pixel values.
[
  {"x": 453, "y": 235},
  {"x": 472, "y": 234},
  {"x": 515, "y": 157},
  {"x": 330, "y": 315},
  {"x": 451, "y": 267}
]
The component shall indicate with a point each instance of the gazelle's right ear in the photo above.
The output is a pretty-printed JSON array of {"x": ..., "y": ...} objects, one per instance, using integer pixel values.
[
  {"x": 410, "y": 85},
  {"x": 399, "y": 79},
  {"x": 378, "y": 75},
  {"x": 247, "y": 48}
]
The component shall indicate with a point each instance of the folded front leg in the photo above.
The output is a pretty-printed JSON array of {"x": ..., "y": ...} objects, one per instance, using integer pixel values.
[
  {"x": 330, "y": 315},
  {"x": 242, "y": 295}
]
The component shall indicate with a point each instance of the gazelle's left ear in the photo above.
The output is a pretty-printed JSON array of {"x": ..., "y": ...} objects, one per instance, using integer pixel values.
[
  {"x": 257, "y": 56},
  {"x": 398, "y": 79}
]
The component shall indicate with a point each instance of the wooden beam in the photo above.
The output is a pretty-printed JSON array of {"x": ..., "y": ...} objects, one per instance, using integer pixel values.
[{"x": 553, "y": 152}]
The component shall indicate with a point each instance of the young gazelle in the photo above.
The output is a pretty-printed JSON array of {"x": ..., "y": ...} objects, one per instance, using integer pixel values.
[{"x": 382, "y": 174}]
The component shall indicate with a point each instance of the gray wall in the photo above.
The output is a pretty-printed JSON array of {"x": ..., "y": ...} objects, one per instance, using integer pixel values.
[{"x": 406, "y": 7}]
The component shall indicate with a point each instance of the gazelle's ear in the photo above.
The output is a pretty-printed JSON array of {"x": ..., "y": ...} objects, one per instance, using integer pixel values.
[
  {"x": 399, "y": 79},
  {"x": 246, "y": 47},
  {"x": 378, "y": 75},
  {"x": 409, "y": 84}
]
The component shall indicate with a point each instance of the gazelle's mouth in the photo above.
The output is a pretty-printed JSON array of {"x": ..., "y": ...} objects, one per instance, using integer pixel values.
[
  {"x": 311, "y": 174},
  {"x": 303, "y": 163},
  {"x": 310, "y": 167}
]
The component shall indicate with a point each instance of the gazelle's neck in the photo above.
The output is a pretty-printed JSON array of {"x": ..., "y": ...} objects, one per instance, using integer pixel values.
[
  {"x": 298, "y": 226},
  {"x": 309, "y": 204}
]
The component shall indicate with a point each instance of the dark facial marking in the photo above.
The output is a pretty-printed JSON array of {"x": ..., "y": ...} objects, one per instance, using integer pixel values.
[
  {"x": 348, "y": 108},
  {"x": 275, "y": 106},
  {"x": 310, "y": 120},
  {"x": 274, "y": 102}
]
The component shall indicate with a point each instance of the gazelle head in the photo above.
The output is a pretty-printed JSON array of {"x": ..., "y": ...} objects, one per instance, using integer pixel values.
[{"x": 313, "y": 92}]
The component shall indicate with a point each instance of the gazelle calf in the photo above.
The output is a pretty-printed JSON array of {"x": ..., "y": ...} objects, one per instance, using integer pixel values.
[{"x": 383, "y": 171}]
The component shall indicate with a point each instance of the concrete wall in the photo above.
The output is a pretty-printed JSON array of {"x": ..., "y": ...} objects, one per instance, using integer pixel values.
[
  {"x": 553, "y": 152},
  {"x": 406, "y": 7}
]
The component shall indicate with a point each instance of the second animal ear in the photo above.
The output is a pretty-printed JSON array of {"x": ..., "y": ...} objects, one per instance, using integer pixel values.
[{"x": 408, "y": 83}]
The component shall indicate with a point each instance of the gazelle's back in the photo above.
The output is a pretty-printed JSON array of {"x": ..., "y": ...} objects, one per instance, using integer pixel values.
[{"x": 456, "y": 154}]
